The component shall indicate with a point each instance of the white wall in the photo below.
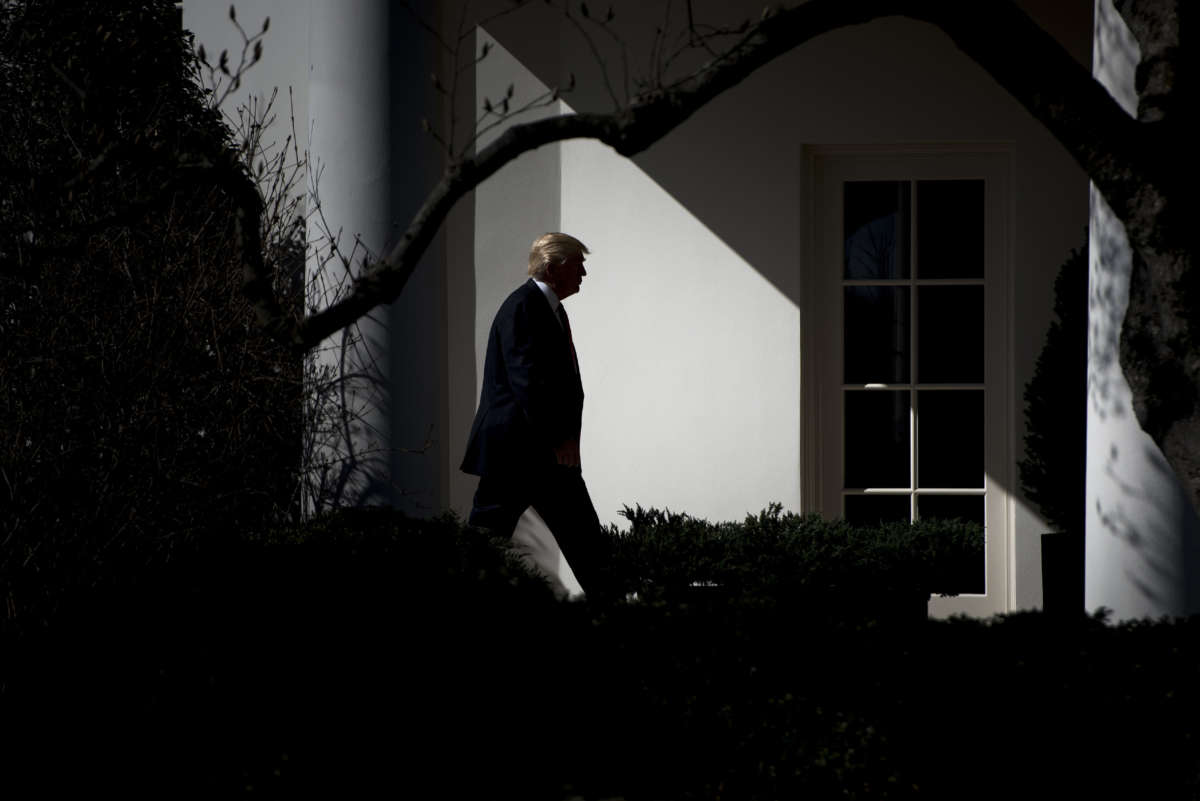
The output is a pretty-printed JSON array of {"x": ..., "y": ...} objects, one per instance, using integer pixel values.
[
  {"x": 1141, "y": 528},
  {"x": 688, "y": 355},
  {"x": 709, "y": 220},
  {"x": 698, "y": 246}
]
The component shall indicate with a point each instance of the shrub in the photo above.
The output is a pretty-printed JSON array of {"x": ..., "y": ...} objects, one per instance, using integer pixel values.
[
  {"x": 372, "y": 654},
  {"x": 1053, "y": 470},
  {"x": 780, "y": 556},
  {"x": 140, "y": 405},
  {"x": 305, "y": 650}
]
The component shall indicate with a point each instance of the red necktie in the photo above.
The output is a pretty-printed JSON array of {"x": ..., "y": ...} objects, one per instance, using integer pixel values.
[{"x": 566, "y": 324}]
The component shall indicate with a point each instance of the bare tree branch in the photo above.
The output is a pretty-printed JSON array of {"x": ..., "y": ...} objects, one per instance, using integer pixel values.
[
  {"x": 542, "y": 100},
  {"x": 604, "y": 25},
  {"x": 591, "y": 43},
  {"x": 1045, "y": 79},
  {"x": 483, "y": 22},
  {"x": 660, "y": 37},
  {"x": 428, "y": 27}
]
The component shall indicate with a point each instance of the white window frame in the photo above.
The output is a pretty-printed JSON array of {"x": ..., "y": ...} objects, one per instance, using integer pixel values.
[{"x": 826, "y": 169}]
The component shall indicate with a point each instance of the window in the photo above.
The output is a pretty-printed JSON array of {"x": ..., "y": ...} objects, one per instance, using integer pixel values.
[
  {"x": 912, "y": 354},
  {"x": 904, "y": 360}
]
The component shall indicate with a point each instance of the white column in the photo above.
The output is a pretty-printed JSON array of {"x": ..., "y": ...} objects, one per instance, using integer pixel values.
[
  {"x": 348, "y": 94},
  {"x": 348, "y": 155},
  {"x": 360, "y": 74},
  {"x": 1139, "y": 520},
  {"x": 366, "y": 100}
]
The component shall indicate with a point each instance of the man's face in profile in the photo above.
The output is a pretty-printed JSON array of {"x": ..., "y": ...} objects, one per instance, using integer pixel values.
[{"x": 566, "y": 278}]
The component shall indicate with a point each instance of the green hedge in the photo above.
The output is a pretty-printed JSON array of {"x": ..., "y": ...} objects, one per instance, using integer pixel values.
[
  {"x": 1053, "y": 469},
  {"x": 140, "y": 402},
  {"x": 776, "y": 555},
  {"x": 368, "y": 654}
]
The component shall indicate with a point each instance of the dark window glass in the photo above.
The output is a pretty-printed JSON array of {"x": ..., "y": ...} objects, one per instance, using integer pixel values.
[
  {"x": 871, "y": 510},
  {"x": 877, "y": 442},
  {"x": 950, "y": 438},
  {"x": 950, "y": 229},
  {"x": 951, "y": 507},
  {"x": 877, "y": 334},
  {"x": 950, "y": 334},
  {"x": 876, "y": 221}
]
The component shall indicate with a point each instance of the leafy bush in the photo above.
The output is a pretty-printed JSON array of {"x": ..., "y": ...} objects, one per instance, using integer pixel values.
[
  {"x": 371, "y": 654},
  {"x": 299, "y": 647},
  {"x": 781, "y": 556},
  {"x": 140, "y": 405},
  {"x": 1053, "y": 470}
]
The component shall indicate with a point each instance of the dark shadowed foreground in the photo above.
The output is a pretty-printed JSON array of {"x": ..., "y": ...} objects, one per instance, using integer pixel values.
[{"x": 372, "y": 654}]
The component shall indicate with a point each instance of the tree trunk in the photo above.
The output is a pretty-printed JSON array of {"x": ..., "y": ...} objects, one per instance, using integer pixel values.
[{"x": 1160, "y": 337}]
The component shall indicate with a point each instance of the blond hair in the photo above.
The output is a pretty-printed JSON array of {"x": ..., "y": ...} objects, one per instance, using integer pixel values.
[{"x": 552, "y": 248}]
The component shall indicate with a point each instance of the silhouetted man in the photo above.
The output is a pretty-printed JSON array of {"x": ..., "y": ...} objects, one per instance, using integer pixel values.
[{"x": 524, "y": 444}]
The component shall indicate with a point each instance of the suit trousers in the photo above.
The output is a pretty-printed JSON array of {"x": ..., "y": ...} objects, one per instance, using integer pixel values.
[{"x": 559, "y": 495}]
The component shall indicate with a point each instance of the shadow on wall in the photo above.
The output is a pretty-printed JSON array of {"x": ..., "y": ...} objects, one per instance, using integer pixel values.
[{"x": 735, "y": 170}]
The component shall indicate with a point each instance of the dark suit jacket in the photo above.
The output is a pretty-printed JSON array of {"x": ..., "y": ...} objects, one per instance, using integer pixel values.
[{"x": 532, "y": 398}]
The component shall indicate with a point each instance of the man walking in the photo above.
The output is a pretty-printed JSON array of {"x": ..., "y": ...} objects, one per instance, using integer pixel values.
[{"x": 524, "y": 443}]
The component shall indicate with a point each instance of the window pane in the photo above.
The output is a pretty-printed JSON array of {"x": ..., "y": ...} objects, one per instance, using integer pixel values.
[
  {"x": 950, "y": 507},
  {"x": 871, "y": 510},
  {"x": 960, "y": 572},
  {"x": 877, "y": 444},
  {"x": 950, "y": 438},
  {"x": 876, "y": 221},
  {"x": 877, "y": 334},
  {"x": 950, "y": 229},
  {"x": 950, "y": 334}
]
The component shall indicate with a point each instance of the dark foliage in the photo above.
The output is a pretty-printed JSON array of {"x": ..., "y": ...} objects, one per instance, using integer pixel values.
[
  {"x": 1053, "y": 471},
  {"x": 795, "y": 559},
  {"x": 139, "y": 403},
  {"x": 336, "y": 648},
  {"x": 367, "y": 654}
]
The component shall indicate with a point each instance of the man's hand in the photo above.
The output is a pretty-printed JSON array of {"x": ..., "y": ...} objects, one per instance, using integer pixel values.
[{"x": 567, "y": 453}]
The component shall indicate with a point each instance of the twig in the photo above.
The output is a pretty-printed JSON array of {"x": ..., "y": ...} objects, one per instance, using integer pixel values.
[
  {"x": 431, "y": 30},
  {"x": 541, "y": 101},
  {"x": 1074, "y": 107},
  {"x": 599, "y": 59}
]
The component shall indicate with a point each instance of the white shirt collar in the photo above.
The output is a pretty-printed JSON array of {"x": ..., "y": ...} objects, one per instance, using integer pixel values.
[{"x": 551, "y": 298}]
